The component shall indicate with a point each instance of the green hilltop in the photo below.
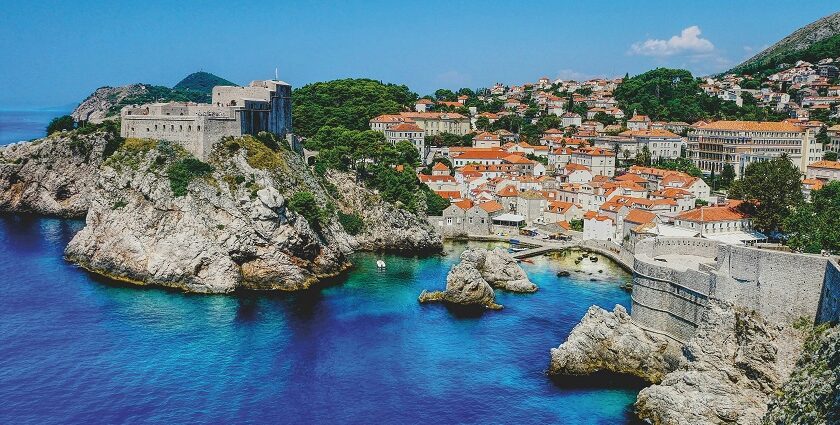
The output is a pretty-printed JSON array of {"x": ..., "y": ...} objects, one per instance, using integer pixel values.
[{"x": 202, "y": 82}]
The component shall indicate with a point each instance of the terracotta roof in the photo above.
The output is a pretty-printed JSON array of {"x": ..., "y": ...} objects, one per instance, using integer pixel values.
[
  {"x": 649, "y": 133},
  {"x": 425, "y": 178},
  {"x": 517, "y": 159},
  {"x": 491, "y": 206},
  {"x": 425, "y": 101},
  {"x": 750, "y": 126},
  {"x": 439, "y": 166},
  {"x": 712, "y": 214},
  {"x": 834, "y": 165},
  {"x": 508, "y": 191},
  {"x": 639, "y": 216},
  {"x": 406, "y": 126},
  {"x": 449, "y": 194},
  {"x": 630, "y": 177},
  {"x": 531, "y": 194},
  {"x": 464, "y": 204}
]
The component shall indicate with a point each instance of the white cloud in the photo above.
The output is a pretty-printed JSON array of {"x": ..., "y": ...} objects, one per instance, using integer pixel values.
[{"x": 689, "y": 41}]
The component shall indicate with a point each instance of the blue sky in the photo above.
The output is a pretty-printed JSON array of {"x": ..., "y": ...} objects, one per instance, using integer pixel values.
[{"x": 55, "y": 53}]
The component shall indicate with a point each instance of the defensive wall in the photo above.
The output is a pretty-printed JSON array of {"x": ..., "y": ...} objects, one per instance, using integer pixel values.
[{"x": 674, "y": 278}]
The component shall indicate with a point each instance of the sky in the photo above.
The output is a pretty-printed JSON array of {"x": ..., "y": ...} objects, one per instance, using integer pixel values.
[{"x": 56, "y": 53}]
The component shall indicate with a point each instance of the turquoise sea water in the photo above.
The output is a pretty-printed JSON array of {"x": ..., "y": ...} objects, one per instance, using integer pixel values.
[{"x": 75, "y": 349}]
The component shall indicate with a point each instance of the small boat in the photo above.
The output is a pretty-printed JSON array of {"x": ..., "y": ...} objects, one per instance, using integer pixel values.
[
  {"x": 563, "y": 273},
  {"x": 517, "y": 249},
  {"x": 380, "y": 264},
  {"x": 593, "y": 259},
  {"x": 525, "y": 260}
]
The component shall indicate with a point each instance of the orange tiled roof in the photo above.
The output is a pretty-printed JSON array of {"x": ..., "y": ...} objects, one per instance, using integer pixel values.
[
  {"x": 491, "y": 206},
  {"x": 834, "y": 165},
  {"x": 639, "y": 216},
  {"x": 712, "y": 214},
  {"x": 750, "y": 126}
]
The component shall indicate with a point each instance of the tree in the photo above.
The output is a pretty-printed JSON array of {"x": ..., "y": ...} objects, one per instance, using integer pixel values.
[
  {"x": 727, "y": 175},
  {"x": 643, "y": 157},
  {"x": 482, "y": 123},
  {"x": 815, "y": 226},
  {"x": 446, "y": 95},
  {"x": 770, "y": 189},
  {"x": 830, "y": 156},
  {"x": 304, "y": 204},
  {"x": 64, "y": 122}
]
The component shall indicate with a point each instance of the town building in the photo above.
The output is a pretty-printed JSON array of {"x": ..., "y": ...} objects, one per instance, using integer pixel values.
[
  {"x": 713, "y": 145},
  {"x": 408, "y": 132}
]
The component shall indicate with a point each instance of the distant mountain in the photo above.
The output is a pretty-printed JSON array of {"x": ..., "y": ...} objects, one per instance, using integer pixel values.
[
  {"x": 106, "y": 102},
  {"x": 817, "y": 40},
  {"x": 202, "y": 82}
]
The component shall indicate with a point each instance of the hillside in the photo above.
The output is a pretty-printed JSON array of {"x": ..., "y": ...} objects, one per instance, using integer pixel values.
[
  {"x": 202, "y": 82},
  {"x": 106, "y": 102},
  {"x": 815, "y": 41}
]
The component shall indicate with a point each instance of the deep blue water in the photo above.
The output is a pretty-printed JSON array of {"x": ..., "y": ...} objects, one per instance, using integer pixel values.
[
  {"x": 74, "y": 349},
  {"x": 19, "y": 125}
]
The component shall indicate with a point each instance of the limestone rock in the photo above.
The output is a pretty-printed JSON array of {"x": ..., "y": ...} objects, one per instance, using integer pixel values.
[
  {"x": 471, "y": 281},
  {"x": 54, "y": 176},
  {"x": 735, "y": 362},
  {"x": 98, "y": 106},
  {"x": 386, "y": 227},
  {"x": 812, "y": 394},
  {"x": 610, "y": 341},
  {"x": 466, "y": 286}
]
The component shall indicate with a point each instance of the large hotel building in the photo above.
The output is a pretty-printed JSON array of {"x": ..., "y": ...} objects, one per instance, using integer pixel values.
[{"x": 715, "y": 144}]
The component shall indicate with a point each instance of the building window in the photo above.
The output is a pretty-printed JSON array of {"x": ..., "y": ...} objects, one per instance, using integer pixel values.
[{"x": 198, "y": 128}]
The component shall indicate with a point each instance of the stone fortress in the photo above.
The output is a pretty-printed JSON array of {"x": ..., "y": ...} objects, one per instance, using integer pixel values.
[
  {"x": 262, "y": 105},
  {"x": 674, "y": 279}
]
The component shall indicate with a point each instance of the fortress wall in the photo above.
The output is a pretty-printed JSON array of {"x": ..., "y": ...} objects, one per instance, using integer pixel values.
[
  {"x": 196, "y": 134},
  {"x": 781, "y": 286},
  {"x": 829, "y": 310},
  {"x": 668, "y": 300}
]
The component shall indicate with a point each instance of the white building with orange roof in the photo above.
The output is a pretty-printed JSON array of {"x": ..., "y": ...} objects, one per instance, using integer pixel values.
[
  {"x": 486, "y": 140},
  {"x": 599, "y": 160},
  {"x": 411, "y": 133},
  {"x": 531, "y": 204},
  {"x": 713, "y": 145},
  {"x": 661, "y": 143},
  {"x": 638, "y": 122},
  {"x": 598, "y": 227},
  {"x": 724, "y": 223},
  {"x": 562, "y": 211},
  {"x": 440, "y": 169},
  {"x": 824, "y": 170},
  {"x": 809, "y": 186},
  {"x": 423, "y": 105},
  {"x": 438, "y": 183},
  {"x": 575, "y": 173},
  {"x": 481, "y": 156}
]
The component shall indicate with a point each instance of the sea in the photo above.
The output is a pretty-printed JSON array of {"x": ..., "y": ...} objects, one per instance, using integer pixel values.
[
  {"x": 360, "y": 349},
  {"x": 26, "y": 124}
]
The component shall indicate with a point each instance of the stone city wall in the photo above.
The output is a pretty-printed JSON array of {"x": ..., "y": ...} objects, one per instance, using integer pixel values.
[
  {"x": 196, "y": 134},
  {"x": 782, "y": 287}
]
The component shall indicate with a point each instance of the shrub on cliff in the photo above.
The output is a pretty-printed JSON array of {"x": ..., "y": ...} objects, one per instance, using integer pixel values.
[
  {"x": 64, "y": 122},
  {"x": 183, "y": 171},
  {"x": 352, "y": 223},
  {"x": 304, "y": 203}
]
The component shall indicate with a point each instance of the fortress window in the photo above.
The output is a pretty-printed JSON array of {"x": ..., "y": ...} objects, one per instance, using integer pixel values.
[
  {"x": 155, "y": 127},
  {"x": 198, "y": 128},
  {"x": 171, "y": 127},
  {"x": 180, "y": 128},
  {"x": 147, "y": 129},
  {"x": 189, "y": 128}
]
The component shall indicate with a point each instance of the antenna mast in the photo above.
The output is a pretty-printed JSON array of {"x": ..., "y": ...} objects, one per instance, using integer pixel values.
[{"x": 276, "y": 73}]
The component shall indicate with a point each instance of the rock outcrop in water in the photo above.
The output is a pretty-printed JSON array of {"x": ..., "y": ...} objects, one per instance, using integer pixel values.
[
  {"x": 726, "y": 374},
  {"x": 471, "y": 282},
  {"x": 157, "y": 216},
  {"x": 53, "y": 176},
  {"x": 610, "y": 341}
]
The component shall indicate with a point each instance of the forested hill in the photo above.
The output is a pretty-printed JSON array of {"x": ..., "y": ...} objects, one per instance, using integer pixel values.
[
  {"x": 348, "y": 103},
  {"x": 202, "y": 82},
  {"x": 817, "y": 40}
]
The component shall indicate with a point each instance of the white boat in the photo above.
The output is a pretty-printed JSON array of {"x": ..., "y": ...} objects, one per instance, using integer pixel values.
[{"x": 380, "y": 264}]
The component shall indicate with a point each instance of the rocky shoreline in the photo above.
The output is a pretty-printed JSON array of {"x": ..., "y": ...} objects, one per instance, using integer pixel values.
[{"x": 156, "y": 216}]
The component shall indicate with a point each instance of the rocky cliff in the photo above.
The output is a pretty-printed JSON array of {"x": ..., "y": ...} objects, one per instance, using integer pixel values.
[
  {"x": 55, "y": 175},
  {"x": 610, "y": 341},
  {"x": 812, "y": 394},
  {"x": 735, "y": 363},
  {"x": 386, "y": 227},
  {"x": 726, "y": 374},
  {"x": 102, "y": 103},
  {"x": 471, "y": 282}
]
